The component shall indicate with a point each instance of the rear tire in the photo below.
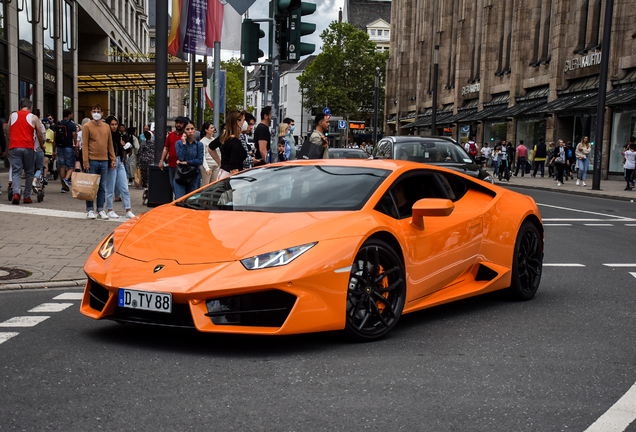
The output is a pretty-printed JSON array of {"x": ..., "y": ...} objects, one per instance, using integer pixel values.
[
  {"x": 376, "y": 292},
  {"x": 527, "y": 264}
]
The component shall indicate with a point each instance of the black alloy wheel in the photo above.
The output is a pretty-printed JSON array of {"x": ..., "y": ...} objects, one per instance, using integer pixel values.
[
  {"x": 377, "y": 291},
  {"x": 527, "y": 264}
]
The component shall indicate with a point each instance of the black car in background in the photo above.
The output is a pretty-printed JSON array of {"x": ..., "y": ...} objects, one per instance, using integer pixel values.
[
  {"x": 347, "y": 153},
  {"x": 440, "y": 151}
]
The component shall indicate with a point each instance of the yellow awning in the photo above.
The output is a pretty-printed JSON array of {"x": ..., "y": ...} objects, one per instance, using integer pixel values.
[{"x": 118, "y": 76}]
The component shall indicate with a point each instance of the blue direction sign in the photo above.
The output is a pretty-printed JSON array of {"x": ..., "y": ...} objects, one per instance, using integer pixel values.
[
  {"x": 342, "y": 124},
  {"x": 326, "y": 111}
]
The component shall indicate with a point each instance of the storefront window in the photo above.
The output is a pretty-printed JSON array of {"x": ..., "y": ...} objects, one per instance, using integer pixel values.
[
  {"x": 529, "y": 131},
  {"x": 3, "y": 35},
  {"x": 67, "y": 37},
  {"x": 68, "y": 103},
  {"x": 494, "y": 132},
  {"x": 48, "y": 24},
  {"x": 25, "y": 25},
  {"x": 623, "y": 127},
  {"x": 584, "y": 126},
  {"x": 464, "y": 134},
  {"x": 26, "y": 90}
]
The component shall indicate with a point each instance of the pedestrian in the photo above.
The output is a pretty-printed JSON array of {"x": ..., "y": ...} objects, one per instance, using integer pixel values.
[
  {"x": 99, "y": 158},
  {"x": 248, "y": 124},
  {"x": 3, "y": 148},
  {"x": 38, "y": 146},
  {"x": 283, "y": 129},
  {"x": 583, "y": 159},
  {"x": 291, "y": 141},
  {"x": 496, "y": 154},
  {"x": 49, "y": 138},
  {"x": 211, "y": 158},
  {"x": 189, "y": 152},
  {"x": 540, "y": 155},
  {"x": 318, "y": 137},
  {"x": 65, "y": 138},
  {"x": 510, "y": 156},
  {"x": 23, "y": 125},
  {"x": 486, "y": 152},
  {"x": 559, "y": 160},
  {"x": 117, "y": 179},
  {"x": 522, "y": 154},
  {"x": 262, "y": 137},
  {"x": 471, "y": 148},
  {"x": 630, "y": 165},
  {"x": 571, "y": 159},
  {"x": 549, "y": 159},
  {"x": 169, "y": 149},
  {"x": 145, "y": 158},
  {"x": 632, "y": 140},
  {"x": 282, "y": 145},
  {"x": 233, "y": 153},
  {"x": 133, "y": 152}
]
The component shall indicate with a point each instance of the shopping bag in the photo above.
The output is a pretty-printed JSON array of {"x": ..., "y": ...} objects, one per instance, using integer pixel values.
[
  {"x": 85, "y": 186},
  {"x": 137, "y": 181}
]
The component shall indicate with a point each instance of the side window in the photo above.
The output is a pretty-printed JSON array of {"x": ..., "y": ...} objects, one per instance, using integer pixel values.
[
  {"x": 454, "y": 186},
  {"x": 407, "y": 191}
]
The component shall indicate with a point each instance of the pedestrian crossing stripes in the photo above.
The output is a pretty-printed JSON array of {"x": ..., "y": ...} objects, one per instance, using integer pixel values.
[
  {"x": 23, "y": 321},
  {"x": 5, "y": 336},
  {"x": 51, "y": 307},
  {"x": 70, "y": 296}
]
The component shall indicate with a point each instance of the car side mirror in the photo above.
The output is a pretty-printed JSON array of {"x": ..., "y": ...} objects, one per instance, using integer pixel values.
[{"x": 430, "y": 207}]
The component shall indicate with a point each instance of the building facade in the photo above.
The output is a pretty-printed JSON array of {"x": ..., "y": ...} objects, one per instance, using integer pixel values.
[
  {"x": 371, "y": 16},
  {"x": 45, "y": 46},
  {"x": 512, "y": 69}
]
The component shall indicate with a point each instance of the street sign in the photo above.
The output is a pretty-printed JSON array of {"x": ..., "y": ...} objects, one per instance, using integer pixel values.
[
  {"x": 342, "y": 124},
  {"x": 326, "y": 111},
  {"x": 328, "y": 116}
]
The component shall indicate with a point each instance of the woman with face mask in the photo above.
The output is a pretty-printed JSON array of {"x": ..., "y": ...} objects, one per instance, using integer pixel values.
[
  {"x": 117, "y": 178},
  {"x": 189, "y": 152}
]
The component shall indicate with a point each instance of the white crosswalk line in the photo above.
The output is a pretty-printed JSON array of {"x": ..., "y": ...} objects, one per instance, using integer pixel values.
[
  {"x": 563, "y": 265},
  {"x": 51, "y": 307},
  {"x": 23, "y": 321},
  {"x": 599, "y": 224},
  {"x": 633, "y": 274},
  {"x": 619, "y": 416},
  {"x": 557, "y": 224},
  {"x": 620, "y": 265},
  {"x": 49, "y": 212},
  {"x": 5, "y": 336},
  {"x": 69, "y": 296}
]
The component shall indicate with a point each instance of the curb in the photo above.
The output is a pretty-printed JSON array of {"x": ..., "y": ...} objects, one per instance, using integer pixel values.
[
  {"x": 49, "y": 284},
  {"x": 598, "y": 194}
]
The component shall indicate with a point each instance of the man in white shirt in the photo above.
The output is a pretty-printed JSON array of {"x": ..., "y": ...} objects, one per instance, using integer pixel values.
[{"x": 485, "y": 154}]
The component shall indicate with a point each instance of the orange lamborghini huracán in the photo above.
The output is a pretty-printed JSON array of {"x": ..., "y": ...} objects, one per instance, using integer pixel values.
[{"x": 310, "y": 246}]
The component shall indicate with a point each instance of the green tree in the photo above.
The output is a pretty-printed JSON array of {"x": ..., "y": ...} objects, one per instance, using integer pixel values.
[{"x": 343, "y": 75}]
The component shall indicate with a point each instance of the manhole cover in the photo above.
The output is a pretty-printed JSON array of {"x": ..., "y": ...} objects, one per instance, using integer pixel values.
[{"x": 13, "y": 273}]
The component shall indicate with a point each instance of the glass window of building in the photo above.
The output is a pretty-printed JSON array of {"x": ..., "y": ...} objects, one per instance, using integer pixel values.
[
  {"x": 48, "y": 25},
  {"x": 530, "y": 130},
  {"x": 152, "y": 42},
  {"x": 25, "y": 25},
  {"x": 495, "y": 132},
  {"x": 372, "y": 32},
  {"x": 623, "y": 127},
  {"x": 3, "y": 34},
  {"x": 26, "y": 90}
]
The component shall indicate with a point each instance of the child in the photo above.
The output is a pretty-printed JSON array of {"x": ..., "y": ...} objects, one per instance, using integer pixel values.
[{"x": 281, "y": 149}]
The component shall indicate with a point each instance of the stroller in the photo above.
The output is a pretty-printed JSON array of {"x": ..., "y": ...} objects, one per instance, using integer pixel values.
[
  {"x": 504, "y": 171},
  {"x": 38, "y": 187}
]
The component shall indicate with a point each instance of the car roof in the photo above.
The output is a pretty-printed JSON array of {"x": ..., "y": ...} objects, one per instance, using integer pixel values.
[
  {"x": 387, "y": 164},
  {"x": 411, "y": 138}
]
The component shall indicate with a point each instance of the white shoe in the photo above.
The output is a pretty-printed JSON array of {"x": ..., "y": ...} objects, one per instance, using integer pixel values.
[
  {"x": 113, "y": 215},
  {"x": 90, "y": 215},
  {"x": 577, "y": 182},
  {"x": 102, "y": 215},
  {"x": 130, "y": 214},
  {"x": 583, "y": 184},
  {"x": 559, "y": 183}
]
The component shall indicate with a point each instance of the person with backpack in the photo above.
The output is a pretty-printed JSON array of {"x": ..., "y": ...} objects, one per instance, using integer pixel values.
[
  {"x": 65, "y": 138},
  {"x": 471, "y": 148}
]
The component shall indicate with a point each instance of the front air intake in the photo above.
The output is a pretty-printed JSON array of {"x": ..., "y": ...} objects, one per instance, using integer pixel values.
[
  {"x": 98, "y": 296},
  {"x": 261, "y": 309}
]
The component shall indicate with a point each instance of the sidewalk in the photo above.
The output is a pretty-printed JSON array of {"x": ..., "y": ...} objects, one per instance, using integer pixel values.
[{"x": 51, "y": 240}]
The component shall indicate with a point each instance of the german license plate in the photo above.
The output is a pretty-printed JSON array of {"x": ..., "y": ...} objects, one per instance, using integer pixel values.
[{"x": 145, "y": 300}]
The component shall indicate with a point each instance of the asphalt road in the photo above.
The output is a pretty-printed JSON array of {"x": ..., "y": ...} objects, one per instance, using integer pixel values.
[{"x": 556, "y": 363}]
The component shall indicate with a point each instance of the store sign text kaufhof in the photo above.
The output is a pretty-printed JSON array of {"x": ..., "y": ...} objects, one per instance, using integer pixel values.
[
  {"x": 592, "y": 59},
  {"x": 473, "y": 88}
]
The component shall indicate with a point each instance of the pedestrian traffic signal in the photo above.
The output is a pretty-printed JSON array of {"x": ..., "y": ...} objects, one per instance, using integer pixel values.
[
  {"x": 297, "y": 28},
  {"x": 250, "y": 34}
]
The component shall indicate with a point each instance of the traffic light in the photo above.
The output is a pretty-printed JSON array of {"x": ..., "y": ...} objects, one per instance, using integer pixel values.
[
  {"x": 250, "y": 34},
  {"x": 297, "y": 28}
]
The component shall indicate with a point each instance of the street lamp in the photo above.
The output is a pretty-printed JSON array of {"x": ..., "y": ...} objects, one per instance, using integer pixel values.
[
  {"x": 435, "y": 72},
  {"x": 375, "y": 105}
]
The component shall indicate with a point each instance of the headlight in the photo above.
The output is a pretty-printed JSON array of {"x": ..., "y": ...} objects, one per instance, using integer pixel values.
[
  {"x": 489, "y": 179},
  {"x": 107, "y": 247},
  {"x": 275, "y": 259}
]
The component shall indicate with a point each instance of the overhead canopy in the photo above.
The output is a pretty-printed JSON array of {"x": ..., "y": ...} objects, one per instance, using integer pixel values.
[{"x": 117, "y": 76}]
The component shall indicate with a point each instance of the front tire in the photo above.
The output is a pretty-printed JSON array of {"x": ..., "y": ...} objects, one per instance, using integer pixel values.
[
  {"x": 527, "y": 264},
  {"x": 376, "y": 292}
]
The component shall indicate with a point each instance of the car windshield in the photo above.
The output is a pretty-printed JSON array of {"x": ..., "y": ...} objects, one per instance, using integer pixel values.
[
  {"x": 286, "y": 189},
  {"x": 346, "y": 154},
  {"x": 430, "y": 152}
]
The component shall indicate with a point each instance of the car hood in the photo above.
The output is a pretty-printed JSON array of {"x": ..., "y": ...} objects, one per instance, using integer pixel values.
[{"x": 200, "y": 236}]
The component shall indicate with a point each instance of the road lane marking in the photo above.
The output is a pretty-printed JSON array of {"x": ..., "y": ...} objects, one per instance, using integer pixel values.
[
  {"x": 70, "y": 296},
  {"x": 599, "y": 224},
  {"x": 613, "y": 217},
  {"x": 51, "y": 307},
  {"x": 579, "y": 220},
  {"x": 619, "y": 265},
  {"x": 49, "y": 212},
  {"x": 5, "y": 336},
  {"x": 559, "y": 224},
  {"x": 563, "y": 265},
  {"x": 633, "y": 274},
  {"x": 23, "y": 321},
  {"x": 630, "y": 224},
  {"x": 619, "y": 416}
]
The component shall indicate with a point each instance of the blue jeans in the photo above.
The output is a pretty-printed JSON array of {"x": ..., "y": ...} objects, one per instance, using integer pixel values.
[
  {"x": 22, "y": 159},
  {"x": 66, "y": 157},
  {"x": 101, "y": 168},
  {"x": 39, "y": 163},
  {"x": 583, "y": 165},
  {"x": 180, "y": 190},
  {"x": 117, "y": 180},
  {"x": 496, "y": 165},
  {"x": 171, "y": 171}
]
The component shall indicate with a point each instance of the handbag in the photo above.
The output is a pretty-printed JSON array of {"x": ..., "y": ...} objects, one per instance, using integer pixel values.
[
  {"x": 137, "y": 181},
  {"x": 85, "y": 186},
  {"x": 185, "y": 174},
  {"x": 310, "y": 150},
  {"x": 558, "y": 161}
]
